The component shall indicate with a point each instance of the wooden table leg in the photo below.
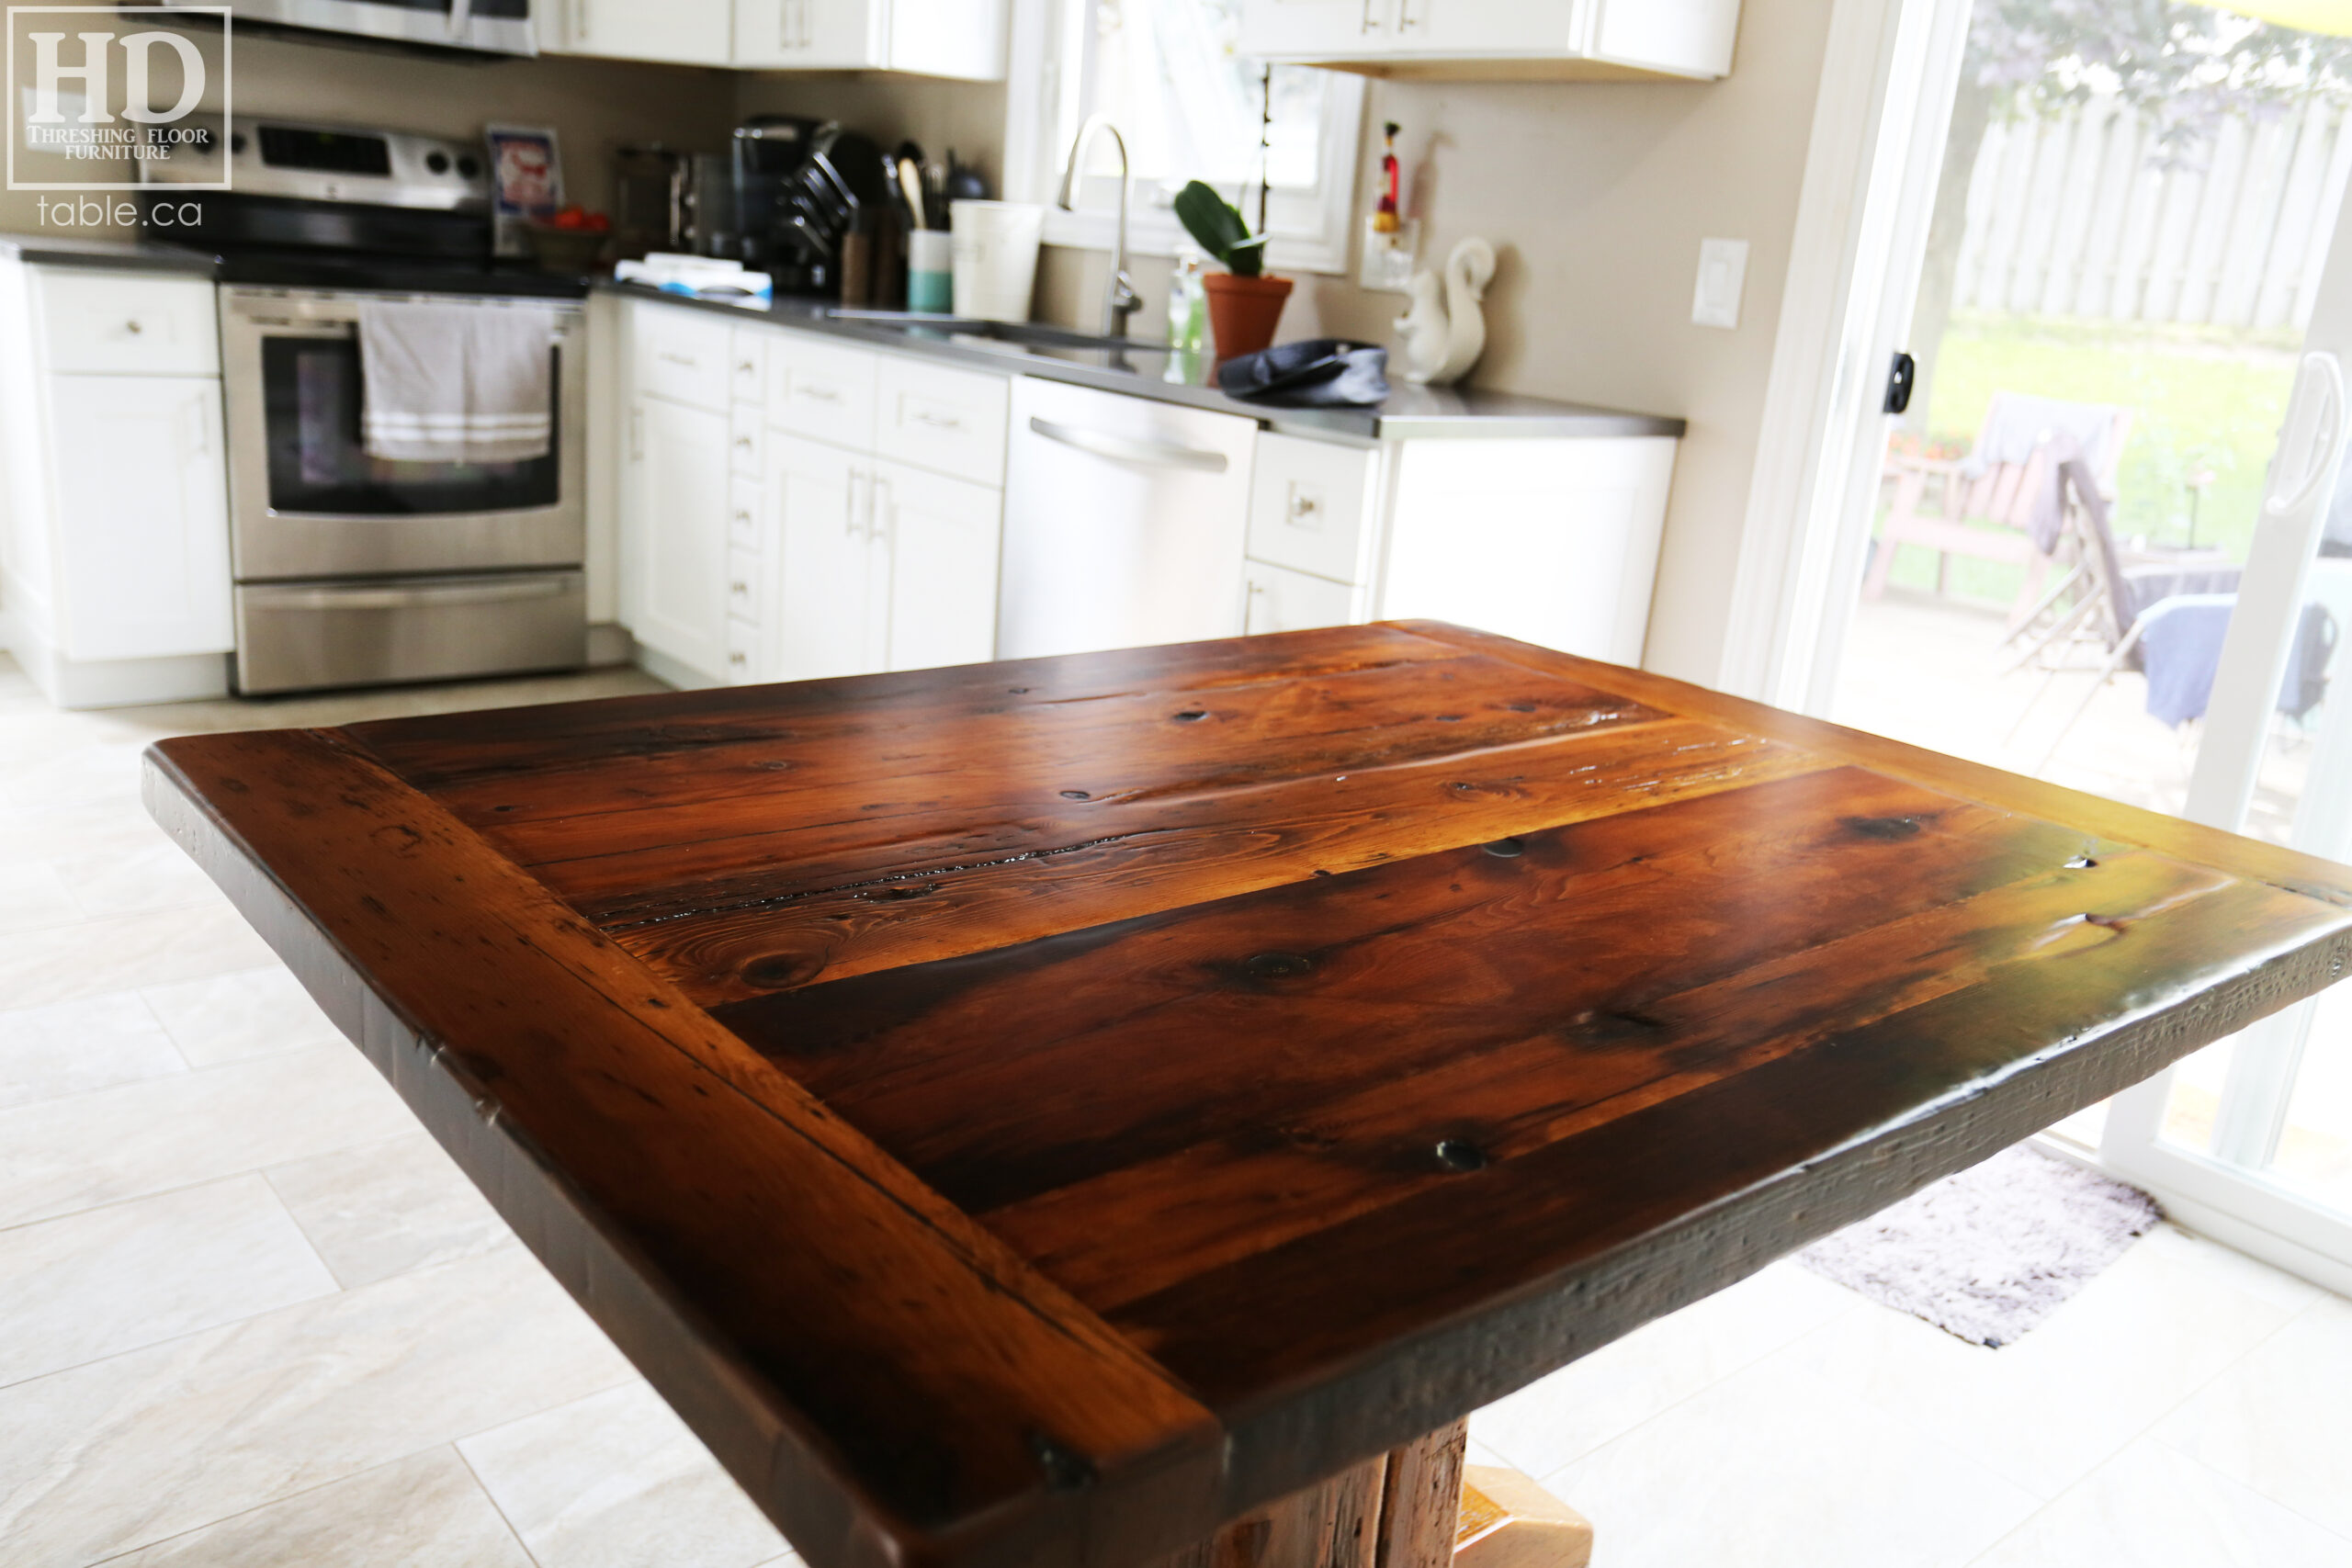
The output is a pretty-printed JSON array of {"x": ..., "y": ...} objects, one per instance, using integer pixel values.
[{"x": 1416, "y": 1507}]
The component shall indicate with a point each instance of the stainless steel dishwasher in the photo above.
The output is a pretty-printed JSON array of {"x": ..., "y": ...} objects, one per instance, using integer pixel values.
[{"x": 1124, "y": 521}]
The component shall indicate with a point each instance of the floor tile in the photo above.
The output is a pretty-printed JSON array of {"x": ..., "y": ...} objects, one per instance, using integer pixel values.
[
  {"x": 616, "y": 1481},
  {"x": 145, "y": 1446},
  {"x": 425, "y": 1511},
  {"x": 2046, "y": 1410},
  {"x": 2277, "y": 1421},
  {"x": 72, "y": 1046},
  {"x": 128, "y": 878},
  {"x": 253, "y": 1013},
  {"x": 385, "y": 1209},
  {"x": 33, "y": 898},
  {"x": 97, "y": 1283},
  {"x": 61, "y": 1155},
  {"x": 1618, "y": 1387},
  {"x": 2150, "y": 1507},
  {"x": 1770, "y": 1469},
  {"x": 94, "y": 957}
]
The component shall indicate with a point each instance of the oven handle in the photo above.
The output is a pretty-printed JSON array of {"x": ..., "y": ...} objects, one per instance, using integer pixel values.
[{"x": 406, "y": 598}]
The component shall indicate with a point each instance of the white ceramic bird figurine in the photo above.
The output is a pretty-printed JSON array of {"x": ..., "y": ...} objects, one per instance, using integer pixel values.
[{"x": 1442, "y": 341}]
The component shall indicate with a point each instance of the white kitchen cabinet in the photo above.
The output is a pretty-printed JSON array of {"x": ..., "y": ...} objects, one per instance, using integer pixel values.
[
  {"x": 1310, "y": 504},
  {"x": 826, "y": 614},
  {"x": 142, "y": 541},
  {"x": 1564, "y": 39},
  {"x": 685, "y": 32},
  {"x": 939, "y": 540},
  {"x": 114, "y": 529},
  {"x": 1552, "y": 541},
  {"x": 1281, "y": 600},
  {"x": 962, "y": 39},
  {"x": 675, "y": 530}
]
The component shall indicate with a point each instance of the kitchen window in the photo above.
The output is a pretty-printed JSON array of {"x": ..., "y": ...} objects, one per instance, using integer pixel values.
[{"x": 1190, "y": 107}]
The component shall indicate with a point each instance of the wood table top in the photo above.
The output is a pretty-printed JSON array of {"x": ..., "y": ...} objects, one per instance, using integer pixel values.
[{"x": 1032, "y": 1113}]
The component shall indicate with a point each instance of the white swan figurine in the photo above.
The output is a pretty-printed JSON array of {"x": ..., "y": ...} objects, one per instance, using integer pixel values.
[{"x": 1442, "y": 341}]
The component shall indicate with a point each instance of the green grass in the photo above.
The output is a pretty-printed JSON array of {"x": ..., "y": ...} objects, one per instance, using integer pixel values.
[{"x": 2201, "y": 398}]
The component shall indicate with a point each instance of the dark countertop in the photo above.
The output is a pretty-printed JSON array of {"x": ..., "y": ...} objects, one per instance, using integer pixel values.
[
  {"x": 1150, "y": 372},
  {"x": 130, "y": 255}
]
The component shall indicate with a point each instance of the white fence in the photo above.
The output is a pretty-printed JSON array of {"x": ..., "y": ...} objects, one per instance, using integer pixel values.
[{"x": 2074, "y": 216}]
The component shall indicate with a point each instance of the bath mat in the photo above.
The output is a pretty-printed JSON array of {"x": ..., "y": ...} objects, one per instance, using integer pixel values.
[{"x": 1988, "y": 1254}]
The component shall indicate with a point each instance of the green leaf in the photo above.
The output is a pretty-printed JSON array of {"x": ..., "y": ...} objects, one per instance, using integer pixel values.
[
  {"x": 1247, "y": 258},
  {"x": 1210, "y": 219}
]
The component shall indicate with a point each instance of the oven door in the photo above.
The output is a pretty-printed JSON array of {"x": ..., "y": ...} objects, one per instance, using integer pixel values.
[{"x": 307, "y": 501}]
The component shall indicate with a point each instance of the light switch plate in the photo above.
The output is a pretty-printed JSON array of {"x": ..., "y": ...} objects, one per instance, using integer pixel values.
[{"x": 1722, "y": 276}]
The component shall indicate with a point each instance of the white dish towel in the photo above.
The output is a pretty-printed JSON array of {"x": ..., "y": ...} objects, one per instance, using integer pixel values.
[{"x": 456, "y": 383}]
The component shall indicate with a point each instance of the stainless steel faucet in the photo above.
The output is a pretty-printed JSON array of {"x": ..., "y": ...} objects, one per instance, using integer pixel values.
[{"x": 1120, "y": 299}]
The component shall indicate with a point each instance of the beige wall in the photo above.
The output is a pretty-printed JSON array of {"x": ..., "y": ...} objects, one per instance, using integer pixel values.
[
  {"x": 968, "y": 117},
  {"x": 593, "y": 105},
  {"x": 1596, "y": 197}
]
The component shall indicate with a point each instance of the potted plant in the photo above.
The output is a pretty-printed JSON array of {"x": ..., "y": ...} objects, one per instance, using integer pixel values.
[{"x": 1245, "y": 306}]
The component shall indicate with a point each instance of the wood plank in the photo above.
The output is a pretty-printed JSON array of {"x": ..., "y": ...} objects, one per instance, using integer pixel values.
[
  {"x": 1420, "y": 1500},
  {"x": 907, "y": 1351},
  {"x": 1212, "y": 1203},
  {"x": 1645, "y": 1213},
  {"x": 893, "y": 903},
  {"x": 1006, "y": 1074}
]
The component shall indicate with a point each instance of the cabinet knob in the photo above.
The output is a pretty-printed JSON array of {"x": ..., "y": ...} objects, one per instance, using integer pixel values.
[{"x": 133, "y": 327}]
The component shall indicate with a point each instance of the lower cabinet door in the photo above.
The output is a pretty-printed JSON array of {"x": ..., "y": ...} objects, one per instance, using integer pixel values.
[
  {"x": 822, "y": 497},
  {"x": 143, "y": 500},
  {"x": 676, "y": 521},
  {"x": 945, "y": 537},
  {"x": 1282, "y": 600}
]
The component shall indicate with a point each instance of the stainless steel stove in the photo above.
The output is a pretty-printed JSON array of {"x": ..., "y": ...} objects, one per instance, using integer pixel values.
[{"x": 352, "y": 569}]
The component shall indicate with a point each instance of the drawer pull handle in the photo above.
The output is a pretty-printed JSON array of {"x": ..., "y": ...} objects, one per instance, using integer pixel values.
[
  {"x": 747, "y": 369},
  {"x": 744, "y": 442},
  {"x": 667, "y": 357},
  {"x": 939, "y": 421},
  {"x": 822, "y": 394},
  {"x": 133, "y": 327},
  {"x": 742, "y": 516}
]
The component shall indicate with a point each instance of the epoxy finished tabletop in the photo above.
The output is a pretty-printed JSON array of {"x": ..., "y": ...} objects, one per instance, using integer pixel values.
[{"x": 1033, "y": 1113}]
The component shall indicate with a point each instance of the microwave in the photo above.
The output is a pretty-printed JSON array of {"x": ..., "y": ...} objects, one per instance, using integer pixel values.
[{"x": 491, "y": 27}]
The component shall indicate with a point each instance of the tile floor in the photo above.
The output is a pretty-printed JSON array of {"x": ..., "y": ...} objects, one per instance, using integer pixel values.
[{"x": 250, "y": 1317}]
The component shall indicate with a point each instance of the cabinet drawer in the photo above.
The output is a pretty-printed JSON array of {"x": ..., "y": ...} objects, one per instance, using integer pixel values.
[
  {"x": 1306, "y": 506},
  {"x": 951, "y": 421},
  {"x": 746, "y": 442},
  {"x": 1285, "y": 601},
  {"x": 747, "y": 527},
  {"x": 682, "y": 358},
  {"x": 821, "y": 390},
  {"x": 747, "y": 586},
  {"x": 747, "y": 371},
  {"x": 124, "y": 323},
  {"x": 746, "y": 656}
]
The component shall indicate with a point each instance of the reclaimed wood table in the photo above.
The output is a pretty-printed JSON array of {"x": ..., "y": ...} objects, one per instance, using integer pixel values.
[{"x": 1096, "y": 1110}]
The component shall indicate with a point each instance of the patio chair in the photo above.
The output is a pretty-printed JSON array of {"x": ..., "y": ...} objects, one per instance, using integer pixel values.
[
  {"x": 2164, "y": 613},
  {"x": 2003, "y": 502}
]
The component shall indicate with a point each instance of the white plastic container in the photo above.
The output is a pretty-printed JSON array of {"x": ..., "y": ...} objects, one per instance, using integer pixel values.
[{"x": 996, "y": 257}]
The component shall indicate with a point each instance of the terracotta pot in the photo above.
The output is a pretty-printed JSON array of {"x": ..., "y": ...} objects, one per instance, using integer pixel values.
[{"x": 1244, "y": 312}]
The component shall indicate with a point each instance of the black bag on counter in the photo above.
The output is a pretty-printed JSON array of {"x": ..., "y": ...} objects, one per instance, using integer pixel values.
[{"x": 1322, "y": 373}]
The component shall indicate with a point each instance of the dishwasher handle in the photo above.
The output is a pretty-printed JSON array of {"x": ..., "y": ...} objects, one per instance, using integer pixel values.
[{"x": 1127, "y": 449}]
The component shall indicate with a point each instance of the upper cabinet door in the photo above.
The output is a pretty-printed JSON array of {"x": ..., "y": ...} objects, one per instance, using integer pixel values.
[
  {"x": 1505, "y": 28},
  {"x": 810, "y": 34},
  {"x": 1515, "y": 39},
  {"x": 1328, "y": 29},
  {"x": 688, "y": 32},
  {"x": 142, "y": 516}
]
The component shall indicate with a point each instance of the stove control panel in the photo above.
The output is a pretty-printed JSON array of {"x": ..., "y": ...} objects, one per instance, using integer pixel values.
[{"x": 328, "y": 162}]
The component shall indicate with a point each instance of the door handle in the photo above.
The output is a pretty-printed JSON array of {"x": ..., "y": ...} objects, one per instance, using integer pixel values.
[
  {"x": 1128, "y": 449},
  {"x": 1372, "y": 15},
  {"x": 407, "y": 598},
  {"x": 881, "y": 512},
  {"x": 849, "y": 508},
  {"x": 1902, "y": 379},
  {"x": 579, "y": 21},
  {"x": 1405, "y": 20},
  {"x": 2325, "y": 374}
]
